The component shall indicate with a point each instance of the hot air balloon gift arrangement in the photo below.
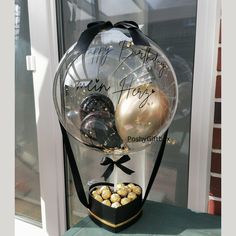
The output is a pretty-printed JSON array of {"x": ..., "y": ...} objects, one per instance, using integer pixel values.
[{"x": 114, "y": 91}]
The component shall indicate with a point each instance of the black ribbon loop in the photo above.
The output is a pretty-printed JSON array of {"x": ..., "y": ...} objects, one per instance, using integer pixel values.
[
  {"x": 137, "y": 35},
  {"x": 92, "y": 30},
  {"x": 108, "y": 161},
  {"x": 95, "y": 27}
]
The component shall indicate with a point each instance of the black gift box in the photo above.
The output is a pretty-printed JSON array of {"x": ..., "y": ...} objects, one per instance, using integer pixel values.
[{"x": 114, "y": 219}]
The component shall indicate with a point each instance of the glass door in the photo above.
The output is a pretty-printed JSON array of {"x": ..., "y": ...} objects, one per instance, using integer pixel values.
[
  {"x": 27, "y": 183},
  {"x": 39, "y": 173},
  {"x": 172, "y": 25}
]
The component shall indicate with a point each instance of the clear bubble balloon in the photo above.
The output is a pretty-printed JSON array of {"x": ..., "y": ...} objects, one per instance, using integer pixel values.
[{"x": 117, "y": 97}]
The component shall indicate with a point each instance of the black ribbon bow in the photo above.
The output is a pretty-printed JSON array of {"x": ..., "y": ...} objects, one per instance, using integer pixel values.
[
  {"x": 108, "y": 161},
  {"x": 95, "y": 27}
]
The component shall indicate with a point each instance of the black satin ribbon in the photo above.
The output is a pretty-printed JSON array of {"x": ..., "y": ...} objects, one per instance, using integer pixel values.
[
  {"x": 75, "y": 172},
  {"x": 95, "y": 27},
  {"x": 108, "y": 161},
  {"x": 156, "y": 166}
]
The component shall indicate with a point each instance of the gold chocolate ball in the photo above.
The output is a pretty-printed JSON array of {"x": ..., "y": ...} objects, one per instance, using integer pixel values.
[
  {"x": 125, "y": 200},
  {"x": 131, "y": 186},
  {"x": 98, "y": 198},
  {"x": 128, "y": 189},
  {"x": 132, "y": 196},
  {"x": 94, "y": 192},
  {"x": 115, "y": 197},
  {"x": 137, "y": 190},
  {"x": 104, "y": 188},
  {"x": 106, "y": 202},
  {"x": 98, "y": 190},
  {"x": 141, "y": 117},
  {"x": 122, "y": 192},
  {"x": 120, "y": 185},
  {"x": 106, "y": 194},
  {"x": 115, "y": 204}
]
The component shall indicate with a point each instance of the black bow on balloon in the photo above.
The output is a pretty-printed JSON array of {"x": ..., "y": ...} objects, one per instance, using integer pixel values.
[
  {"x": 95, "y": 27},
  {"x": 108, "y": 161}
]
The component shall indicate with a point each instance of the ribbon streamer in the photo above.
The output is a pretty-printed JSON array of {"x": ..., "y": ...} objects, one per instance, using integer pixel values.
[
  {"x": 108, "y": 161},
  {"x": 95, "y": 27}
]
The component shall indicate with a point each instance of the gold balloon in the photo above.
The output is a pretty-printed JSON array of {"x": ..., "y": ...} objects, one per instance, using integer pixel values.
[{"x": 141, "y": 112}]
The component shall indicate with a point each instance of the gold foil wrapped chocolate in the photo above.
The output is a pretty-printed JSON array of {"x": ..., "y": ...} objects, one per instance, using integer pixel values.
[
  {"x": 137, "y": 190},
  {"x": 104, "y": 188},
  {"x": 115, "y": 205},
  {"x": 125, "y": 201},
  {"x": 115, "y": 197},
  {"x": 131, "y": 186},
  {"x": 132, "y": 196},
  {"x": 106, "y": 202},
  {"x": 120, "y": 185},
  {"x": 99, "y": 191},
  {"x": 106, "y": 194},
  {"x": 98, "y": 198},
  {"x": 122, "y": 192},
  {"x": 95, "y": 192},
  {"x": 128, "y": 189}
]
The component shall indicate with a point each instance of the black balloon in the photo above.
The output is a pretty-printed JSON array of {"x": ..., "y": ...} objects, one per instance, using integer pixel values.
[
  {"x": 95, "y": 102},
  {"x": 98, "y": 129}
]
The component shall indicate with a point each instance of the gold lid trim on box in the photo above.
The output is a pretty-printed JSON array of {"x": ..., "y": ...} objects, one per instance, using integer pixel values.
[{"x": 111, "y": 224}]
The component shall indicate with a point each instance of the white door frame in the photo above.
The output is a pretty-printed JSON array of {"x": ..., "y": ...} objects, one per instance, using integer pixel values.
[
  {"x": 43, "y": 34},
  {"x": 207, "y": 37}
]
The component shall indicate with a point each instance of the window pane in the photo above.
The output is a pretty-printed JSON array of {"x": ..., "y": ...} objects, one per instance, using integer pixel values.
[
  {"x": 172, "y": 25},
  {"x": 27, "y": 189}
]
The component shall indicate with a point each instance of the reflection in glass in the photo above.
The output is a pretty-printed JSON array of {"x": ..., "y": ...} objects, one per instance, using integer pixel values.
[
  {"x": 172, "y": 25},
  {"x": 27, "y": 190}
]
